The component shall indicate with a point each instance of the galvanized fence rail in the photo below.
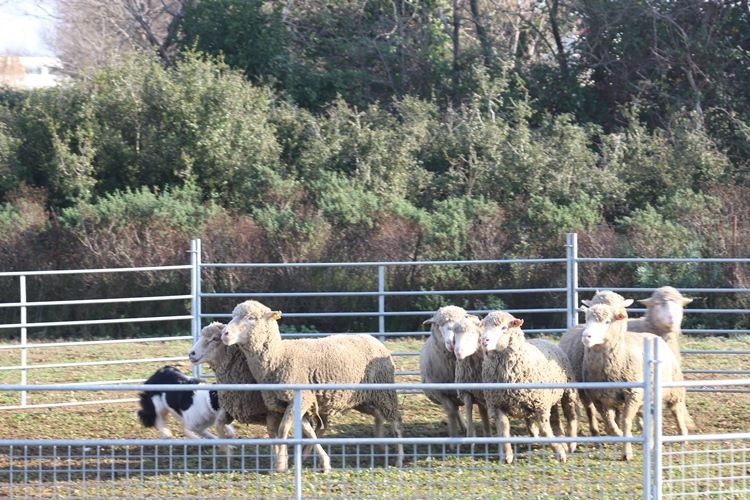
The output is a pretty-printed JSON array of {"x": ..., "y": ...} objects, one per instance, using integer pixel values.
[
  {"x": 698, "y": 466},
  {"x": 135, "y": 467},
  {"x": 201, "y": 303}
]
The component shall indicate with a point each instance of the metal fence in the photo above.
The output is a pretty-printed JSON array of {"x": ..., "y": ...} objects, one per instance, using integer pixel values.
[
  {"x": 558, "y": 310},
  {"x": 700, "y": 466}
]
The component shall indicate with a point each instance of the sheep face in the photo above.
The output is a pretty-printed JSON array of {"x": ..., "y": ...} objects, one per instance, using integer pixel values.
[
  {"x": 444, "y": 324},
  {"x": 666, "y": 307},
  {"x": 245, "y": 319},
  {"x": 466, "y": 339},
  {"x": 208, "y": 346},
  {"x": 609, "y": 297},
  {"x": 497, "y": 334},
  {"x": 599, "y": 319}
]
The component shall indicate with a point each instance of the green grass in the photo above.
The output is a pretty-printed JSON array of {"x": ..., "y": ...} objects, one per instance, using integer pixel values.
[{"x": 359, "y": 471}]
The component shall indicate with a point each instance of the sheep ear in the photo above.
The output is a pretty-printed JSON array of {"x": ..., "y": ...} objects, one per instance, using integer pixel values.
[
  {"x": 645, "y": 302},
  {"x": 686, "y": 301},
  {"x": 583, "y": 309},
  {"x": 516, "y": 323},
  {"x": 428, "y": 321},
  {"x": 627, "y": 303},
  {"x": 586, "y": 302},
  {"x": 274, "y": 315}
]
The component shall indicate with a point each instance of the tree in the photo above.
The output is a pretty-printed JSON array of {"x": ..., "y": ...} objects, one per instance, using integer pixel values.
[{"x": 93, "y": 32}]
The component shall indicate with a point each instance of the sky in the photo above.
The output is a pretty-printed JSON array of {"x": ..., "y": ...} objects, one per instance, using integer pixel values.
[{"x": 23, "y": 25}]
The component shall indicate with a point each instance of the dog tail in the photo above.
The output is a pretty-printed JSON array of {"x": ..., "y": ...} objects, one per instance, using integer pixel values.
[{"x": 147, "y": 413}]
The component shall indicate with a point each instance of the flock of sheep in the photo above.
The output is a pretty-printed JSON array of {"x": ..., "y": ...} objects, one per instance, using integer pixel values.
[{"x": 461, "y": 348}]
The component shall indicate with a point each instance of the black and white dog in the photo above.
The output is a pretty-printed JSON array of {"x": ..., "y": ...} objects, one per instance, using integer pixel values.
[{"x": 197, "y": 410}]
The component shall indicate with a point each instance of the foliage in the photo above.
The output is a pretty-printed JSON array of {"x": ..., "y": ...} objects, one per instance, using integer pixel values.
[
  {"x": 246, "y": 33},
  {"x": 394, "y": 131}
]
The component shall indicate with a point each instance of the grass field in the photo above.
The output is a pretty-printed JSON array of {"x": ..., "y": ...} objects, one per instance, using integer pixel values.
[{"x": 359, "y": 471}]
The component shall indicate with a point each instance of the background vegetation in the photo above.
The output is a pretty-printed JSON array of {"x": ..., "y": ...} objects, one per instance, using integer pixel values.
[{"x": 399, "y": 130}]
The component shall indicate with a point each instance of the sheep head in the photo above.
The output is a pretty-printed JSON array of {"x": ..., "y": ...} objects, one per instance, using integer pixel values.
[
  {"x": 665, "y": 307},
  {"x": 208, "y": 346},
  {"x": 466, "y": 340},
  {"x": 609, "y": 297},
  {"x": 500, "y": 330},
  {"x": 443, "y": 324},
  {"x": 246, "y": 317},
  {"x": 600, "y": 320}
]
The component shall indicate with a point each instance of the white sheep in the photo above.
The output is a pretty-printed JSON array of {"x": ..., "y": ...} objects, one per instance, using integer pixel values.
[
  {"x": 230, "y": 367},
  {"x": 571, "y": 344},
  {"x": 469, "y": 358},
  {"x": 510, "y": 358},
  {"x": 341, "y": 359},
  {"x": 613, "y": 354},
  {"x": 664, "y": 311},
  {"x": 437, "y": 364},
  {"x": 197, "y": 410}
]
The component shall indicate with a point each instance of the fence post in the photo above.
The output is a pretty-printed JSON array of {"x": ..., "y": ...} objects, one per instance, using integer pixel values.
[
  {"x": 24, "y": 339},
  {"x": 297, "y": 446},
  {"x": 571, "y": 246},
  {"x": 658, "y": 424},
  {"x": 647, "y": 417},
  {"x": 381, "y": 302},
  {"x": 195, "y": 292}
]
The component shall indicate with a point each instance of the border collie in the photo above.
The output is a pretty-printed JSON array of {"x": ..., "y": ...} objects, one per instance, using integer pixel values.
[{"x": 197, "y": 410}]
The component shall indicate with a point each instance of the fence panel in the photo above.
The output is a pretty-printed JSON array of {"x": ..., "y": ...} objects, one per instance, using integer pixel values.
[
  {"x": 712, "y": 464},
  {"x": 29, "y": 361},
  {"x": 363, "y": 466}
]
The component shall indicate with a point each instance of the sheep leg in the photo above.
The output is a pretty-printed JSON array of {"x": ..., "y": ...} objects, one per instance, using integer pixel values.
[
  {"x": 396, "y": 424},
  {"x": 280, "y": 450},
  {"x": 308, "y": 431},
  {"x": 544, "y": 423},
  {"x": 591, "y": 414},
  {"x": 379, "y": 424},
  {"x": 485, "y": 416},
  {"x": 629, "y": 413},
  {"x": 390, "y": 412},
  {"x": 610, "y": 419},
  {"x": 455, "y": 425},
  {"x": 272, "y": 428},
  {"x": 570, "y": 410},
  {"x": 503, "y": 430},
  {"x": 555, "y": 422},
  {"x": 532, "y": 427},
  {"x": 468, "y": 400},
  {"x": 679, "y": 410}
]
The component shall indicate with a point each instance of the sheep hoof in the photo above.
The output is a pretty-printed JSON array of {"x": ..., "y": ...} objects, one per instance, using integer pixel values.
[{"x": 508, "y": 459}]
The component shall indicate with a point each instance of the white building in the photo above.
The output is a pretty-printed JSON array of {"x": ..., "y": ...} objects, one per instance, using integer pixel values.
[{"x": 29, "y": 72}]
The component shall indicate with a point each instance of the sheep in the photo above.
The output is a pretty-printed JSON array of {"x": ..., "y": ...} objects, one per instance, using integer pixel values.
[
  {"x": 510, "y": 358},
  {"x": 229, "y": 367},
  {"x": 437, "y": 364},
  {"x": 197, "y": 409},
  {"x": 571, "y": 344},
  {"x": 664, "y": 311},
  {"x": 335, "y": 359},
  {"x": 469, "y": 359},
  {"x": 613, "y": 354}
]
